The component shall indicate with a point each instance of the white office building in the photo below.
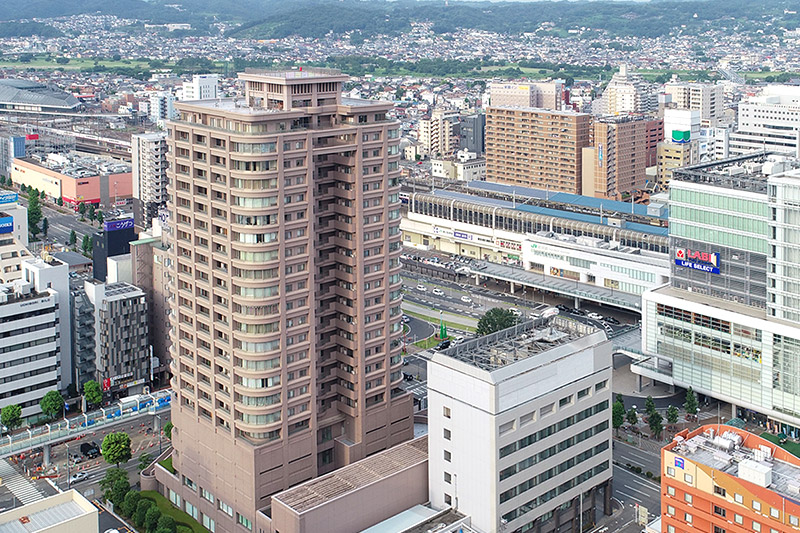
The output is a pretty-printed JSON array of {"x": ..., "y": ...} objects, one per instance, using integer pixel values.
[
  {"x": 162, "y": 107},
  {"x": 708, "y": 99},
  {"x": 769, "y": 121},
  {"x": 519, "y": 427},
  {"x": 149, "y": 167},
  {"x": 202, "y": 87}
]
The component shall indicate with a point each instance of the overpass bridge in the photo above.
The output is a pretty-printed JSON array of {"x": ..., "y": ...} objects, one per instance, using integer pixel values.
[{"x": 67, "y": 429}]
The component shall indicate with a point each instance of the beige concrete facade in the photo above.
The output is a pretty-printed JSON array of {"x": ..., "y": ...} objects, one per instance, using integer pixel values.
[
  {"x": 436, "y": 133},
  {"x": 622, "y": 149},
  {"x": 536, "y": 147},
  {"x": 707, "y": 98},
  {"x": 672, "y": 156},
  {"x": 286, "y": 297},
  {"x": 66, "y": 512},
  {"x": 544, "y": 94}
]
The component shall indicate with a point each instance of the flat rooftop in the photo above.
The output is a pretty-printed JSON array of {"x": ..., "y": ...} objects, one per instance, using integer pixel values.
[
  {"x": 524, "y": 340},
  {"x": 58, "y": 510},
  {"x": 702, "y": 448},
  {"x": 293, "y": 74},
  {"x": 747, "y": 172},
  {"x": 355, "y": 476}
]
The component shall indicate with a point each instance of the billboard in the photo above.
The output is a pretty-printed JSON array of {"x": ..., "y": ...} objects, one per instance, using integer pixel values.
[
  {"x": 6, "y": 224},
  {"x": 705, "y": 261},
  {"x": 114, "y": 225},
  {"x": 681, "y": 136},
  {"x": 8, "y": 197}
]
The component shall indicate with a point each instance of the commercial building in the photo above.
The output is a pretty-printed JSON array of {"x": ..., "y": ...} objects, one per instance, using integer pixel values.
[
  {"x": 18, "y": 141},
  {"x": 769, "y": 121},
  {"x": 621, "y": 150},
  {"x": 672, "y": 156},
  {"x": 473, "y": 134},
  {"x": 466, "y": 167},
  {"x": 437, "y": 135},
  {"x": 202, "y": 87},
  {"x": 728, "y": 325},
  {"x": 286, "y": 298},
  {"x": 13, "y": 237},
  {"x": 149, "y": 175},
  {"x": 519, "y": 427},
  {"x": 626, "y": 92},
  {"x": 113, "y": 240},
  {"x": 536, "y": 148},
  {"x": 24, "y": 96},
  {"x": 543, "y": 94},
  {"x": 75, "y": 179},
  {"x": 708, "y": 99},
  {"x": 66, "y": 512},
  {"x": 723, "y": 479},
  {"x": 122, "y": 348}
]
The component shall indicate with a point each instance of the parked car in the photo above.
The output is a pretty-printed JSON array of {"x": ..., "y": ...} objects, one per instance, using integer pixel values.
[
  {"x": 422, "y": 288},
  {"x": 442, "y": 345},
  {"x": 595, "y": 316},
  {"x": 515, "y": 311},
  {"x": 611, "y": 320},
  {"x": 408, "y": 377},
  {"x": 578, "y": 312},
  {"x": 563, "y": 308},
  {"x": 438, "y": 292}
]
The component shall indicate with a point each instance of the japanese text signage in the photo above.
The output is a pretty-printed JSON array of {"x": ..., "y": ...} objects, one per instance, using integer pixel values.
[
  {"x": 114, "y": 225},
  {"x": 705, "y": 261}
]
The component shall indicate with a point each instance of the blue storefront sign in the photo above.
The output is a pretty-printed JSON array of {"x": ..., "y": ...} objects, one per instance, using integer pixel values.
[
  {"x": 705, "y": 261},
  {"x": 679, "y": 462},
  {"x": 8, "y": 197},
  {"x": 6, "y": 224},
  {"x": 462, "y": 235},
  {"x": 114, "y": 225}
]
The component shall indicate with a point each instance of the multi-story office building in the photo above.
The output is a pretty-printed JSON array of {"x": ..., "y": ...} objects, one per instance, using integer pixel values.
[
  {"x": 149, "y": 180},
  {"x": 437, "y": 135},
  {"x": 519, "y": 427},
  {"x": 708, "y": 99},
  {"x": 473, "y": 133},
  {"x": 769, "y": 121},
  {"x": 114, "y": 240},
  {"x": 536, "y": 147},
  {"x": 122, "y": 348},
  {"x": 723, "y": 479},
  {"x": 674, "y": 155},
  {"x": 626, "y": 92},
  {"x": 285, "y": 216},
  {"x": 543, "y": 94},
  {"x": 728, "y": 324},
  {"x": 202, "y": 87},
  {"x": 621, "y": 150}
]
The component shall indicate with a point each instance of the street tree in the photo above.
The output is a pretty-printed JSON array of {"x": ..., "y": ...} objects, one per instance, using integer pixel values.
[
  {"x": 92, "y": 392},
  {"x": 59, "y": 201},
  {"x": 655, "y": 421},
  {"x": 672, "y": 414},
  {"x": 110, "y": 478},
  {"x": 99, "y": 217},
  {"x": 73, "y": 237},
  {"x": 620, "y": 399},
  {"x": 168, "y": 430},
  {"x": 617, "y": 415},
  {"x": 691, "y": 405},
  {"x": 45, "y": 226},
  {"x": 34, "y": 214},
  {"x": 52, "y": 404},
  {"x": 495, "y": 319},
  {"x": 144, "y": 461},
  {"x": 43, "y": 195},
  {"x": 649, "y": 405},
  {"x": 632, "y": 417},
  {"x": 116, "y": 448},
  {"x": 11, "y": 416}
]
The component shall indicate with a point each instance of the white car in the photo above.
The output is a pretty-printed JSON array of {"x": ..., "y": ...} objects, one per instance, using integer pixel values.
[
  {"x": 77, "y": 476},
  {"x": 422, "y": 288},
  {"x": 466, "y": 299},
  {"x": 515, "y": 311},
  {"x": 595, "y": 316},
  {"x": 438, "y": 292}
]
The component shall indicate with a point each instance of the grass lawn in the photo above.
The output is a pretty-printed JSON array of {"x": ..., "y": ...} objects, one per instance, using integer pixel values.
[
  {"x": 167, "y": 464},
  {"x": 428, "y": 343},
  {"x": 435, "y": 321},
  {"x": 791, "y": 447},
  {"x": 167, "y": 508}
]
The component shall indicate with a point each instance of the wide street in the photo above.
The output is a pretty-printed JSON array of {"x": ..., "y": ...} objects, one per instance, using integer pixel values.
[{"x": 61, "y": 224}]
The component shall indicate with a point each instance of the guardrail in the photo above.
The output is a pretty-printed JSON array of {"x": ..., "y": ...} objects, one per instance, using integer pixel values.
[{"x": 78, "y": 425}]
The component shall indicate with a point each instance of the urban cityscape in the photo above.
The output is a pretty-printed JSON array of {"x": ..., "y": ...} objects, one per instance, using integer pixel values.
[{"x": 367, "y": 266}]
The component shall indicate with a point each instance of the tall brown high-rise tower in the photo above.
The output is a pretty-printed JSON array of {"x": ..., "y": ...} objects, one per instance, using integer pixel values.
[{"x": 286, "y": 318}]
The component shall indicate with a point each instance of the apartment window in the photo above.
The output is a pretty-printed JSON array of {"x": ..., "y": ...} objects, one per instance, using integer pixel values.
[
  {"x": 447, "y": 456},
  {"x": 719, "y": 511},
  {"x": 600, "y": 386},
  {"x": 738, "y": 518},
  {"x": 670, "y": 510},
  {"x": 793, "y": 520},
  {"x": 448, "y": 500},
  {"x": 446, "y": 434},
  {"x": 207, "y": 495},
  {"x": 225, "y": 508},
  {"x": 756, "y": 526},
  {"x": 448, "y": 478},
  {"x": 189, "y": 483},
  {"x": 756, "y": 505},
  {"x": 175, "y": 498},
  {"x": 719, "y": 491},
  {"x": 191, "y": 510},
  {"x": 583, "y": 393},
  {"x": 565, "y": 401},
  {"x": 688, "y": 478},
  {"x": 774, "y": 513},
  {"x": 687, "y": 518},
  {"x": 738, "y": 498},
  {"x": 547, "y": 409},
  {"x": 671, "y": 471},
  {"x": 687, "y": 497},
  {"x": 208, "y": 523},
  {"x": 244, "y": 521},
  {"x": 505, "y": 428},
  {"x": 446, "y": 412},
  {"x": 718, "y": 529},
  {"x": 670, "y": 490},
  {"x": 670, "y": 529}
]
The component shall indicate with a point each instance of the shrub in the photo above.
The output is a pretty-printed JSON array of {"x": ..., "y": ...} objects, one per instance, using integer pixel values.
[
  {"x": 649, "y": 474},
  {"x": 141, "y": 512},
  {"x": 151, "y": 518},
  {"x": 129, "y": 503},
  {"x": 167, "y": 523}
]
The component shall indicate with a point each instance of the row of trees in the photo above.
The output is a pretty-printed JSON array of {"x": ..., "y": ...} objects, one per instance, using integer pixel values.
[
  {"x": 654, "y": 419},
  {"x": 52, "y": 405}
]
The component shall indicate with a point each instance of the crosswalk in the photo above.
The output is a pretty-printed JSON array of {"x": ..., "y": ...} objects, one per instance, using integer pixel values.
[{"x": 20, "y": 486}]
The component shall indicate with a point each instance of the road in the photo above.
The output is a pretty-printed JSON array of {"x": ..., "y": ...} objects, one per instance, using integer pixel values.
[
  {"x": 61, "y": 224},
  {"x": 632, "y": 489},
  {"x": 418, "y": 329}
]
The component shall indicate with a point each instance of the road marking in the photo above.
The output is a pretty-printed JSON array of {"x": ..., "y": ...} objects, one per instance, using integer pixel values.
[
  {"x": 629, "y": 496},
  {"x": 649, "y": 484},
  {"x": 637, "y": 491}
]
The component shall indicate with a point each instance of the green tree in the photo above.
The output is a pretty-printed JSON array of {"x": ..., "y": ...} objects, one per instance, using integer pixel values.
[
  {"x": 649, "y": 405},
  {"x": 617, "y": 415},
  {"x": 691, "y": 405},
  {"x": 151, "y": 518},
  {"x": 119, "y": 489},
  {"x": 672, "y": 414},
  {"x": 62, "y": 60},
  {"x": 86, "y": 244},
  {"x": 167, "y": 523},
  {"x": 11, "y": 416},
  {"x": 168, "y": 430},
  {"x": 141, "y": 511},
  {"x": 99, "y": 217},
  {"x": 130, "y": 502},
  {"x": 82, "y": 210},
  {"x": 34, "y": 214},
  {"x": 52, "y": 404},
  {"x": 116, "y": 448},
  {"x": 92, "y": 392},
  {"x": 632, "y": 417},
  {"x": 59, "y": 201},
  {"x": 110, "y": 478},
  {"x": 163, "y": 529},
  {"x": 495, "y": 319},
  {"x": 144, "y": 461},
  {"x": 92, "y": 212},
  {"x": 620, "y": 399},
  {"x": 43, "y": 195},
  {"x": 655, "y": 421},
  {"x": 2, "y": 180},
  {"x": 73, "y": 237},
  {"x": 45, "y": 226}
]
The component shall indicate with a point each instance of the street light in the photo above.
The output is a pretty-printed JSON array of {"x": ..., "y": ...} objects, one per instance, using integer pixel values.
[
  {"x": 159, "y": 434},
  {"x": 68, "y": 473}
]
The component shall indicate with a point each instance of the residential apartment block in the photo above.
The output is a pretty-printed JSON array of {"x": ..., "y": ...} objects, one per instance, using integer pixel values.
[
  {"x": 519, "y": 427},
  {"x": 437, "y": 134},
  {"x": 286, "y": 312},
  {"x": 536, "y": 147},
  {"x": 544, "y": 94},
  {"x": 706, "y": 98},
  {"x": 149, "y": 179}
]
